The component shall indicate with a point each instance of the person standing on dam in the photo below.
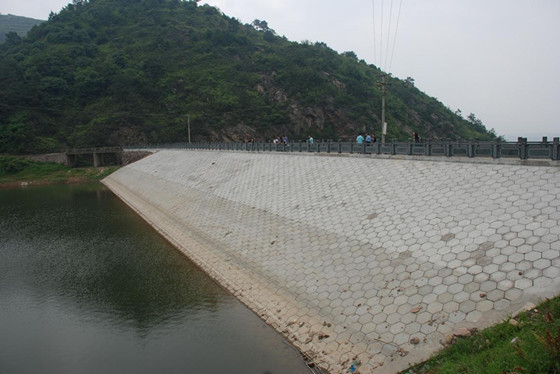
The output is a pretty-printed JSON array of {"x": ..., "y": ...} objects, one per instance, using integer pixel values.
[{"x": 360, "y": 138}]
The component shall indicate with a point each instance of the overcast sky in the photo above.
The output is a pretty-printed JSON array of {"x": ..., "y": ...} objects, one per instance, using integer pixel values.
[{"x": 497, "y": 59}]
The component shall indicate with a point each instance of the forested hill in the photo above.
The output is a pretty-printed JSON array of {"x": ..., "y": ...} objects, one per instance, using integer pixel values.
[
  {"x": 121, "y": 72},
  {"x": 16, "y": 24}
]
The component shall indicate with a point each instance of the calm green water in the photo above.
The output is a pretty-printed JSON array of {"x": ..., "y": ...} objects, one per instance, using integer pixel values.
[{"x": 86, "y": 286}]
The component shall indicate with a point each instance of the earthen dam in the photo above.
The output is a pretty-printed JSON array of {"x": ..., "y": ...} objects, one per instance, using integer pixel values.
[{"x": 358, "y": 260}]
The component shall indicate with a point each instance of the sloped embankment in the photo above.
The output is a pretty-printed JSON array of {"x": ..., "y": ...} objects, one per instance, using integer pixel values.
[{"x": 356, "y": 260}]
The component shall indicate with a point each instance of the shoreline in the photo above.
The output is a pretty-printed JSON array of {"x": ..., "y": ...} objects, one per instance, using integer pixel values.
[
  {"x": 37, "y": 183},
  {"x": 68, "y": 176}
]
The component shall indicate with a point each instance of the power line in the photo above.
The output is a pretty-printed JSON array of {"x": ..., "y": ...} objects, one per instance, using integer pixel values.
[
  {"x": 395, "y": 38},
  {"x": 381, "y": 38},
  {"x": 374, "y": 31},
  {"x": 385, "y": 33},
  {"x": 389, "y": 34}
]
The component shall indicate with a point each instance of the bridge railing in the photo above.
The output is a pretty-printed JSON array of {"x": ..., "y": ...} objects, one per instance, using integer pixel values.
[
  {"x": 521, "y": 149},
  {"x": 80, "y": 151}
]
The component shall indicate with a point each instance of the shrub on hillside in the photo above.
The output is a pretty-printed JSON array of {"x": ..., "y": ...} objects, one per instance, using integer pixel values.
[{"x": 10, "y": 165}]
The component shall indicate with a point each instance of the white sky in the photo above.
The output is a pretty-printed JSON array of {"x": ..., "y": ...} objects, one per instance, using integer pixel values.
[{"x": 495, "y": 58}]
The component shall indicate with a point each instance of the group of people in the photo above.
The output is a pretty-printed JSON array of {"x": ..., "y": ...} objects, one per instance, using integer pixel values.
[
  {"x": 369, "y": 138},
  {"x": 360, "y": 139},
  {"x": 280, "y": 140}
]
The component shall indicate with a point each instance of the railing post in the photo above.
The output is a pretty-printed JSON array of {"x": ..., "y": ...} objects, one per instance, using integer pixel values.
[
  {"x": 546, "y": 145},
  {"x": 394, "y": 147},
  {"x": 410, "y": 147},
  {"x": 351, "y": 146},
  {"x": 496, "y": 148},
  {"x": 470, "y": 148},
  {"x": 339, "y": 147},
  {"x": 522, "y": 144},
  {"x": 448, "y": 148},
  {"x": 427, "y": 147},
  {"x": 555, "y": 154}
]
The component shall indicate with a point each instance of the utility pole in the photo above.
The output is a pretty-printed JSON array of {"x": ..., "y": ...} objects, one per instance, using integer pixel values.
[
  {"x": 189, "y": 127},
  {"x": 383, "y": 87}
]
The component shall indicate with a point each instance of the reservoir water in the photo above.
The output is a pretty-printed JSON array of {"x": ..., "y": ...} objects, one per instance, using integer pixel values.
[{"x": 86, "y": 286}]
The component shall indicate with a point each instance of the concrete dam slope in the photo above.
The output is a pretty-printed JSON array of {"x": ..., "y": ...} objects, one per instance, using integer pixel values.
[{"x": 357, "y": 260}]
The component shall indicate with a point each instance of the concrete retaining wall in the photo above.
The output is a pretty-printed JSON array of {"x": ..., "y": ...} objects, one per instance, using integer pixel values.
[
  {"x": 59, "y": 158},
  {"x": 360, "y": 260}
]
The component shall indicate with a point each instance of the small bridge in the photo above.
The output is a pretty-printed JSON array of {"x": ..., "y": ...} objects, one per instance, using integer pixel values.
[{"x": 101, "y": 156}]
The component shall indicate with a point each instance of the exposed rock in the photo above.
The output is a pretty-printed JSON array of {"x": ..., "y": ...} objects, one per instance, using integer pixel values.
[
  {"x": 462, "y": 332},
  {"x": 448, "y": 340}
]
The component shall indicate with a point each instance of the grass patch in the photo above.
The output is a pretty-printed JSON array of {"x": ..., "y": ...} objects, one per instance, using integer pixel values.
[
  {"x": 531, "y": 346},
  {"x": 15, "y": 170}
]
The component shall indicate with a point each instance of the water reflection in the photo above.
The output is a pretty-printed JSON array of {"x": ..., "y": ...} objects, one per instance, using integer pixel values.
[
  {"x": 84, "y": 282},
  {"x": 120, "y": 267}
]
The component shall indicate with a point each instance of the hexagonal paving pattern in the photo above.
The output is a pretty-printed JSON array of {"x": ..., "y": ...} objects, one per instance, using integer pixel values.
[{"x": 358, "y": 258}]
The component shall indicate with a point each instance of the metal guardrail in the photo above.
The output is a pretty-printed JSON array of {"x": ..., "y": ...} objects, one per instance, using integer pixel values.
[{"x": 521, "y": 149}]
